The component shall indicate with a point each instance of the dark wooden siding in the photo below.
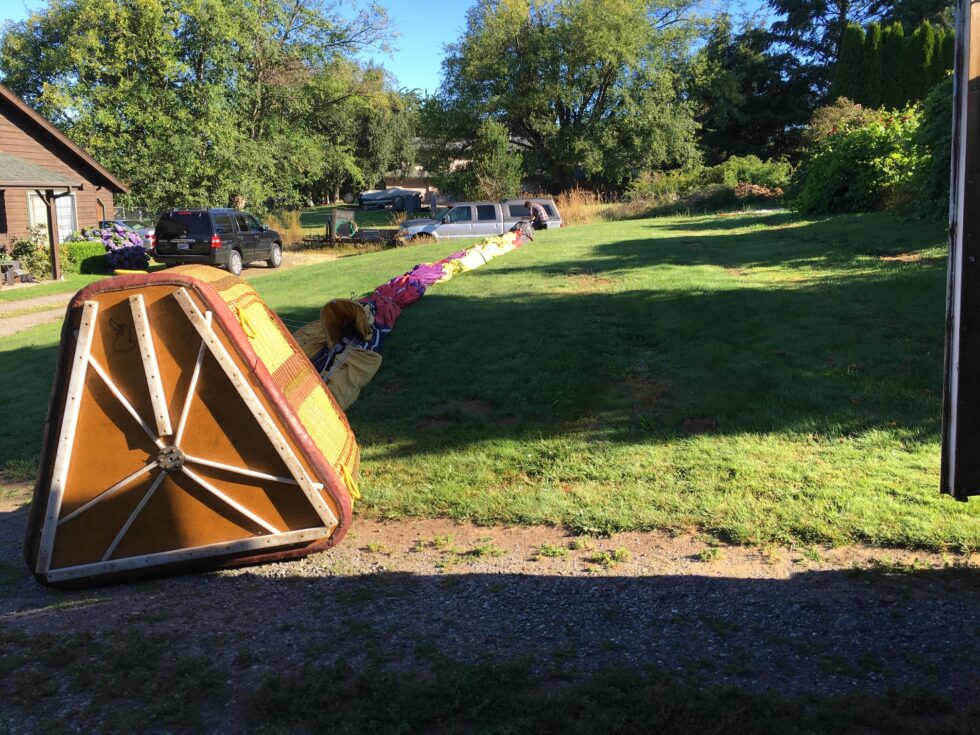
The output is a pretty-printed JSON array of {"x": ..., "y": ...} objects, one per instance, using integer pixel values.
[{"x": 22, "y": 137}]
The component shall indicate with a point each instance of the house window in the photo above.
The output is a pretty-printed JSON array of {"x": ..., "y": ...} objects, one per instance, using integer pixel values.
[
  {"x": 37, "y": 211},
  {"x": 67, "y": 221},
  {"x": 64, "y": 207}
]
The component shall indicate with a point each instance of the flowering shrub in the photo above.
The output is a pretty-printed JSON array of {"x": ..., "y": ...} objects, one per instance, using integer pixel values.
[
  {"x": 861, "y": 167},
  {"x": 129, "y": 257},
  {"x": 124, "y": 248}
]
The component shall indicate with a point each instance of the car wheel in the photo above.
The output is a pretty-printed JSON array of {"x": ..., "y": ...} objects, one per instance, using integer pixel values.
[
  {"x": 235, "y": 263},
  {"x": 275, "y": 257}
]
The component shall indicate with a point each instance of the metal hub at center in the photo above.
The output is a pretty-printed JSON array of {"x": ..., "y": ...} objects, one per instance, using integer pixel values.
[{"x": 170, "y": 459}]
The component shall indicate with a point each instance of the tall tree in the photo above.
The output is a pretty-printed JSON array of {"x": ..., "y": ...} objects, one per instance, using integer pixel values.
[
  {"x": 751, "y": 99},
  {"x": 937, "y": 66},
  {"x": 815, "y": 28},
  {"x": 892, "y": 64},
  {"x": 584, "y": 87},
  {"x": 871, "y": 67},
  {"x": 918, "y": 61},
  {"x": 494, "y": 168},
  {"x": 849, "y": 79},
  {"x": 912, "y": 12},
  {"x": 948, "y": 49},
  {"x": 195, "y": 102}
]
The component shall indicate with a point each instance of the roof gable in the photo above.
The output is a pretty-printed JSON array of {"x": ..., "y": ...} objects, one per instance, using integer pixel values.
[{"x": 63, "y": 140}]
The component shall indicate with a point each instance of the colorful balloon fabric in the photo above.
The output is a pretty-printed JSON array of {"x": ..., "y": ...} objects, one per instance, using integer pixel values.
[{"x": 345, "y": 343}]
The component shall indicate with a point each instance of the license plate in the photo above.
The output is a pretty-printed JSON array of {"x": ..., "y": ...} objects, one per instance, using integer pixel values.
[{"x": 183, "y": 246}]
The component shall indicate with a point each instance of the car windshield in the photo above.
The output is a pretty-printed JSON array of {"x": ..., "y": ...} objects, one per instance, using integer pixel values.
[{"x": 134, "y": 223}]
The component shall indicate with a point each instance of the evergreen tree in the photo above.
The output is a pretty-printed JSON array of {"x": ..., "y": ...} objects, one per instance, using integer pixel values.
[
  {"x": 937, "y": 65},
  {"x": 751, "y": 98},
  {"x": 930, "y": 49},
  {"x": 948, "y": 49},
  {"x": 871, "y": 67},
  {"x": 892, "y": 66},
  {"x": 849, "y": 77},
  {"x": 918, "y": 54}
]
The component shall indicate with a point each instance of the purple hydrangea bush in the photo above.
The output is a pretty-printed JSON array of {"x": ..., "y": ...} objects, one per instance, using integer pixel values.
[{"x": 124, "y": 248}]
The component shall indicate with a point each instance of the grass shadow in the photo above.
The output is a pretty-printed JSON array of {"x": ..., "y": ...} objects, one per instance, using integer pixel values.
[{"x": 882, "y": 650}]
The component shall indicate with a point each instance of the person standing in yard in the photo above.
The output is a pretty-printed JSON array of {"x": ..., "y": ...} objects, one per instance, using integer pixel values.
[
  {"x": 430, "y": 198},
  {"x": 538, "y": 214}
]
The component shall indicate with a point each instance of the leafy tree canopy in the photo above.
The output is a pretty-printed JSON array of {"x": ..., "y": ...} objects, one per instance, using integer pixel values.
[
  {"x": 586, "y": 88},
  {"x": 208, "y": 102},
  {"x": 493, "y": 171}
]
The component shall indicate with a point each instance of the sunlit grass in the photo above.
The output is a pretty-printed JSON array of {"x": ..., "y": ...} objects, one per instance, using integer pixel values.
[{"x": 760, "y": 378}]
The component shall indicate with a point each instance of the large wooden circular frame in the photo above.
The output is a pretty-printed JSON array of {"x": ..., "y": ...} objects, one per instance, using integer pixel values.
[{"x": 169, "y": 445}]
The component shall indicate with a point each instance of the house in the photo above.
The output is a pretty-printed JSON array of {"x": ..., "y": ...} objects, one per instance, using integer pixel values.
[{"x": 46, "y": 179}]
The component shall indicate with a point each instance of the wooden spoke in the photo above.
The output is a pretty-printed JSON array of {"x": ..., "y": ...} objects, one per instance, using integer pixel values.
[
  {"x": 239, "y": 470},
  {"x": 109, "y": 492},
  {"x": 247, "y": 394},
  {"x": 132, "y": 516},
  {"x": 182, "y": 422},
  {"x": 66, "y": 441},
  {"x": 124, "y": 401},
  {"x": 151, "y": 367},
  {"x": 234, "y": 504}
]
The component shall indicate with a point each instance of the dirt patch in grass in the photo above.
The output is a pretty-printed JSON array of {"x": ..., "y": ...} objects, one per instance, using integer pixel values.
[
  {"x": 902, "y": 258},
  {"x": 699, "y": 425},
  {"x": 589, "y": 280},
  {"x": 646, "y": 392},
  {"x": 454, "y": 412}
]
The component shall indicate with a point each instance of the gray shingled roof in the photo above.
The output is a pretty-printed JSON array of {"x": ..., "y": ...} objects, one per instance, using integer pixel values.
[{"x": 18, "y": 172}]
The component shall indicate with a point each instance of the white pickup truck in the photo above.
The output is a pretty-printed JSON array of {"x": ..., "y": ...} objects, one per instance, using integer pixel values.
[{"x": 477, "y": 219}]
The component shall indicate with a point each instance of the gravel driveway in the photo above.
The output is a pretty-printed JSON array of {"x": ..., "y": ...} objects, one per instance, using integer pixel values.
[{"x": 398, "y": 595}]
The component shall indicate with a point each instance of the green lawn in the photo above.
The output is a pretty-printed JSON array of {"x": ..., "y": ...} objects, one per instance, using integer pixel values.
[
  {"x": 761, "y": 378},
  {"x": 70, "y": 284}
]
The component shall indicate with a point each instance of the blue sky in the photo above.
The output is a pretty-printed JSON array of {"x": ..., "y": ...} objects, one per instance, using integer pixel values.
[{"x": 425, "y": 27}]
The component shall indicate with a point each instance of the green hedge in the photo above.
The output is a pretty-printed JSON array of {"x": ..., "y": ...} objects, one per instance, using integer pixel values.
[
  {"x": 84, "y": 256},
  {"x": 930, "y": 184}
]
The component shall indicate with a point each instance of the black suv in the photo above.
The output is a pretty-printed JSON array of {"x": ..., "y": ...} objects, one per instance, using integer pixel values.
[{"x": 221, "y": 237}]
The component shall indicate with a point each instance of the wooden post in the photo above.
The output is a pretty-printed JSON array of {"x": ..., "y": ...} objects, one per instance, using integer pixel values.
[
  {"x": 961, "y": 394},
  {"x": 53, "y": 237}
]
